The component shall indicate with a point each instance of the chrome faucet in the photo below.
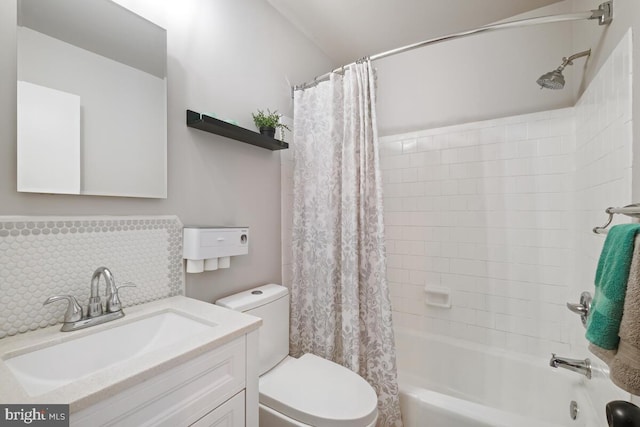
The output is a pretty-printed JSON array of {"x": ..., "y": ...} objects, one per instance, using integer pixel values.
[
  {"x": 95, "y": 303},
  {"x": 111, "y": 292},
  {"x": 75, "y": 319},
  {"x": 576, "y": 365}
]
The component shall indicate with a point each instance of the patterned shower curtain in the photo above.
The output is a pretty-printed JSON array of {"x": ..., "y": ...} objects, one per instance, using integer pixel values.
[{"x": 340, "y": 305}]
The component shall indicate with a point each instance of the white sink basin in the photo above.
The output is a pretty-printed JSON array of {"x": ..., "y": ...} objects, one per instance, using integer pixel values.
[{"x": 45, "y": 369}]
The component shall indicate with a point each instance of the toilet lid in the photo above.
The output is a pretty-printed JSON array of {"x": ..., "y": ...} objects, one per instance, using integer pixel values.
[{"x": 315, "y": 391}]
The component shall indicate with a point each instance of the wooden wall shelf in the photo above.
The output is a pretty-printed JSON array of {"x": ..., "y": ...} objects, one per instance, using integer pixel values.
[{"x": 220, "y": 127}]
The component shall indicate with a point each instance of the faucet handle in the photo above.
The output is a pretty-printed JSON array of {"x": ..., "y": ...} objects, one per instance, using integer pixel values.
[
  {"x": 74, "y": 311},
  {"x": 582, "y": 308},
  {"x": 113, "y": 300}
]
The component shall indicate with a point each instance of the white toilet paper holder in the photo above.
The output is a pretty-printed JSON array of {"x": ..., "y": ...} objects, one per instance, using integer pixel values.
[{"x": 211, "y": 248}]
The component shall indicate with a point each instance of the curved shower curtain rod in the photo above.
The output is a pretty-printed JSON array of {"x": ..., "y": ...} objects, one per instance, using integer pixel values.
[{"x": 604, "y": 15}]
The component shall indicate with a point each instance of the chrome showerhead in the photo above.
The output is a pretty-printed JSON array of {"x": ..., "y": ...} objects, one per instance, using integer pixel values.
[
  {"x": 554, "y": 79},
  {"x": 551, "y": 80}
]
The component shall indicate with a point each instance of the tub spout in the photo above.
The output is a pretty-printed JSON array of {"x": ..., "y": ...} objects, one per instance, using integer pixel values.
[{"x": 576, "y": 365}]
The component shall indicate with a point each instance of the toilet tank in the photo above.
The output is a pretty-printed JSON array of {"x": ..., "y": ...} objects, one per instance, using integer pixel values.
[{"x": 271, "y": 304}]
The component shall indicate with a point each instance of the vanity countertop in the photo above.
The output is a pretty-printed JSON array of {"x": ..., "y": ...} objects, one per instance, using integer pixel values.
[{"x": 114, "y": 378}]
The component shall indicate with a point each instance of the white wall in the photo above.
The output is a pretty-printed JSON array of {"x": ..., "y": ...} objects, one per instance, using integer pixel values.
[
  {"x": 604, "y": 40},
  {"x": 480, "y": 77},
  {"x": 286, "y": 188},
  {"x": 230, "y": 57}
]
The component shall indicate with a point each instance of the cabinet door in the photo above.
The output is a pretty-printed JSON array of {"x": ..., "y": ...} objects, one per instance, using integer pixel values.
[
  {"x": 229, "y": 414},
  {"x": 176, "y": 397}
]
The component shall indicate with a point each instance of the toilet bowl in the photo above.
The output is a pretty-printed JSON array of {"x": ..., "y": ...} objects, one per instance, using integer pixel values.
[{"x": 305, "y": 391}]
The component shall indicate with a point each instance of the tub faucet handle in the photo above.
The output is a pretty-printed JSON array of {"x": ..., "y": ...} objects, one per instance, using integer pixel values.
[{"x": 582, "y": 308}]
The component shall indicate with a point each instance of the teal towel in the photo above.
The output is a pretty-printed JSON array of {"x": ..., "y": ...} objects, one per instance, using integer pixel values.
[{"x": 611, "y": 284}]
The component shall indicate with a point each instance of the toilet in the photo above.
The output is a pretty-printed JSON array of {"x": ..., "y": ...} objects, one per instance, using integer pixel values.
[{"x": 310, "y": 390}]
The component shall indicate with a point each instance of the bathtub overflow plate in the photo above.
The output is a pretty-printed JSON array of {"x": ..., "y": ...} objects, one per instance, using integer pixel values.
[{"x": 573, "y": 409}]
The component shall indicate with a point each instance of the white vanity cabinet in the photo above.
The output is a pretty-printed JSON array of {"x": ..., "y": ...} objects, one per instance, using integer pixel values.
[
  {"x": 229, "y": 414},
  {"x": 172, "y": 362},
  {"x": 216, "y": 388}
]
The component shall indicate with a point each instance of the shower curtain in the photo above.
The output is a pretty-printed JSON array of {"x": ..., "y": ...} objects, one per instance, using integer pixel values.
[{"x": 340, "y": 305}]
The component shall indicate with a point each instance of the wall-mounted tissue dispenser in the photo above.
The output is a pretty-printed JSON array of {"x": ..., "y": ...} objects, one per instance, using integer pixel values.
[{"x": 210, "y": 248}]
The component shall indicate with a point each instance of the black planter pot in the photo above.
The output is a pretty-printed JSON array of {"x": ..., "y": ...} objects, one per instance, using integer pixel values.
[{"x": 268, "y": 131}]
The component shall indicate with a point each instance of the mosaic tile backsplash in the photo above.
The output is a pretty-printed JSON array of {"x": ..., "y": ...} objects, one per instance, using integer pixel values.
[{"x": 45, "y": 256}]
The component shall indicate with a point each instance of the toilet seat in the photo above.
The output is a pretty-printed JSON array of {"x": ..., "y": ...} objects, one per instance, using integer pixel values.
[{"x": 318, "y": 392}]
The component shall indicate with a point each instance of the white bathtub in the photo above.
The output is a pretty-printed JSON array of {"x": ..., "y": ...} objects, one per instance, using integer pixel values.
[{"x": 451, "y": 383}]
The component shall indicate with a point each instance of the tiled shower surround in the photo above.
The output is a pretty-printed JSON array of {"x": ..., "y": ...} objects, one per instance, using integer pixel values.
[
  {"x": 499, "y": 213},
  {"x": 604, "y": 154},
  {"x": 45, "y": 256},
  {"x": 483, "y": 211}
]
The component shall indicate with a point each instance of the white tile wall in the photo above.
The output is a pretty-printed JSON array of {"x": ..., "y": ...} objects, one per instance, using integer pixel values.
[
  {"x": 603, "y": 178},
  {"x": 483, "y": 210},
  {"x": 603, "y": 163}
]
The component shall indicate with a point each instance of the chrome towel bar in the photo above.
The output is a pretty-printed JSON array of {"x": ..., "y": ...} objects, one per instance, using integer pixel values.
[{"x": 632, "y": 210}]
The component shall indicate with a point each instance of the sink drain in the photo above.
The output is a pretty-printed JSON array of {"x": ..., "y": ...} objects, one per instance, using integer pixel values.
[{"x": 573, "y": 409}]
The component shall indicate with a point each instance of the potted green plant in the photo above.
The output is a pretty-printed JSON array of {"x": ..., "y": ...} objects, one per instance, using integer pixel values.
[{"x": 268, "y": 122}]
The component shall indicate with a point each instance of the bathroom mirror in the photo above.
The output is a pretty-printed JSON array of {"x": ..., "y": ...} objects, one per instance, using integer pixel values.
[{"x": 92, "y": 100}]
